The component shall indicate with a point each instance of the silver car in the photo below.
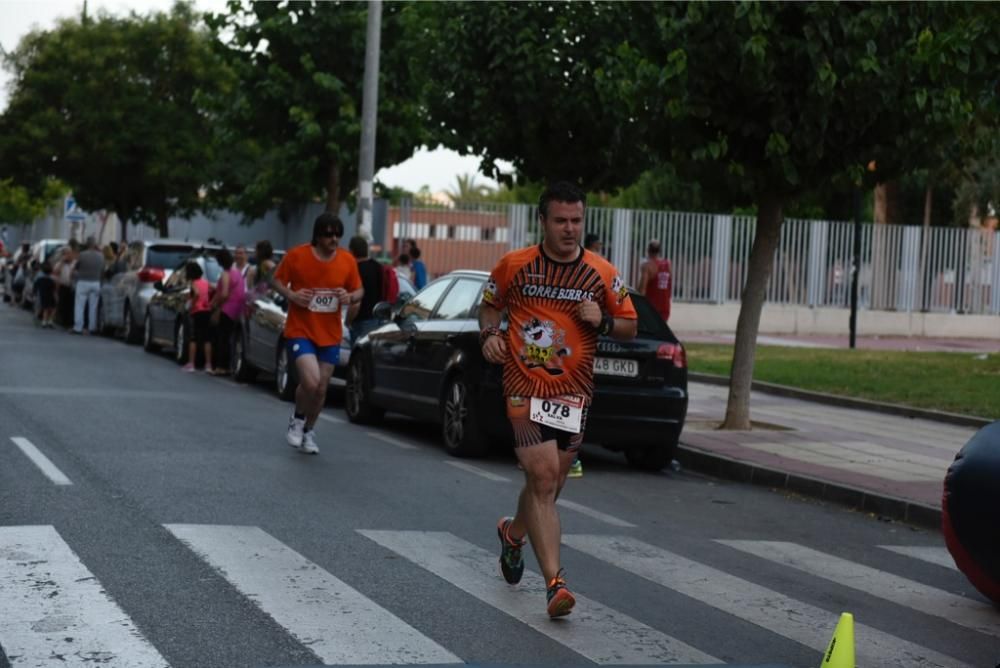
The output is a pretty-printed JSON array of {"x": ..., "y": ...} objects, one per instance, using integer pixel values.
[{"x": 125, "y": 294}]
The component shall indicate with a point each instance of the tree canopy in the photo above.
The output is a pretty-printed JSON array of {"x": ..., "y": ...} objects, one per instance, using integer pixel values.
[{"x": 120, "y": 109}]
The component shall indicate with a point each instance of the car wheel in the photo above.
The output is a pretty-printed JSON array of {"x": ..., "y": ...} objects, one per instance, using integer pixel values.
[
  {"x": 147, "y": 335},
  {"x": 357, "y": 399},
  {"x": 242, "y": 371},
  {"x": 181, "y": 342},
  {"x": 459, "y": 422},
  {"x": 654, "y": 458},
  {"x": 130, "y": 333},
  {"x": 285, "y": 381}
]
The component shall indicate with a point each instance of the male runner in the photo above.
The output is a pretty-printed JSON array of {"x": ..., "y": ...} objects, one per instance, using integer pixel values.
[
  {"x": 317, "y": 279},
  {"x": 558, "y": 298}
]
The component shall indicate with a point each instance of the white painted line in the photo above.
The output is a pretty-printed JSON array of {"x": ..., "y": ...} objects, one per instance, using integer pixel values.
[
  {"x": 766, "y": 608},
  {"x": 392, "y": 441},
  {"x": 330, "y": 418},
  {"x": 596, "y": 514},
  {"x": 338, "y": 623},
  {"x": 54, "y": 612},
  {"x": 967, "y": 612},
  {"x": 41, "y": 461},
  {"x": 939, "y": 556},
  {"x": 476, "y": 470},
  {"x": 595, "y": 631}
]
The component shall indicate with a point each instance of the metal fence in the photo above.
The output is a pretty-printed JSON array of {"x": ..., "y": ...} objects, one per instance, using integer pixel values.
[{"x": 902, "y": 268}]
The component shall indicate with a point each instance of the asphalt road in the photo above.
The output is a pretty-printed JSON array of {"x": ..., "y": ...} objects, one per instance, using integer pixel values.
[{"x": 186, "y": 533}]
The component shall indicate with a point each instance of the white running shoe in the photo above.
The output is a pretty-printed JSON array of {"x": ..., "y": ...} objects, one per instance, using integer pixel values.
[
  {"x": 295, "y": 428},
  {"x": 309, "y": 443}
]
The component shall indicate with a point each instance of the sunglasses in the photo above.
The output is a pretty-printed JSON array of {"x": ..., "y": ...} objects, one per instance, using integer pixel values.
[{"x": 328, "y": 234}]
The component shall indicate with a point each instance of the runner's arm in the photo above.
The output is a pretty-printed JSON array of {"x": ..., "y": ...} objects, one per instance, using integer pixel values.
[{"x": 492, "y": 341}]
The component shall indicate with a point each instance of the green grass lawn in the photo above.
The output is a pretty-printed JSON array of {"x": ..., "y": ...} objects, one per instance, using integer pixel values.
[{"x": 953, "y": 382}]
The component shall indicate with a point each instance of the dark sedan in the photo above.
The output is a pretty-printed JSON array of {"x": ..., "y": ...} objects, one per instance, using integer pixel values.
[{"x": 425, "y": 361}]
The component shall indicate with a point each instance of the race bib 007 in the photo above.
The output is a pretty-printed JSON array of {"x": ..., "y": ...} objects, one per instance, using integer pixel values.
[
  {"x": 324, "y": 301},
  {"x": 564, "y": 413}
]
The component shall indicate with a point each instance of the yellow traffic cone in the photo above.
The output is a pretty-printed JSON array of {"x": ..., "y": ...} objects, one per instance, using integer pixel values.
[{"x": 840, "y": 652}]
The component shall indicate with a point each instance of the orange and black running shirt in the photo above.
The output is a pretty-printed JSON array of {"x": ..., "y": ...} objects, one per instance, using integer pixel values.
[
  {"x": 300, "y": 269},
  {"x": 551, "y": 349}
]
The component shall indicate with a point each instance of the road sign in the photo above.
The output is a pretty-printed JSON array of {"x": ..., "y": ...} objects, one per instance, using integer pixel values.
[{"x": 71, "y": 212}]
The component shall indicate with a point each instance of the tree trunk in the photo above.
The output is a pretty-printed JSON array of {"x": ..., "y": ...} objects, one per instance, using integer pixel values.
[
  {"x": 162, "y": 225},
  {"x": 124, "y": 223},
  {"x": 886, "y": 212},
  {"x": 769, "y": 220},
  {"x": 333, "y": 189}
]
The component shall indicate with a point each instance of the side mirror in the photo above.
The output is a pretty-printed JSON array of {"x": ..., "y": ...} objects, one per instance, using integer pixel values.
[
  {"x": 158, "y": 285},
  {"x": 382, "y": 312}
]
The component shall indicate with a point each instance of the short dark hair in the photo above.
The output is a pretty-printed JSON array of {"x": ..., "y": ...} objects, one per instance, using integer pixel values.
[
  {"x": 225, "y": 259},
  {"x": 590, "y": 240},
  {"x": 326, "y": 223},
  {"x": 414, "y": 252},
  {"x": 560, "y": 191},
  {"x": 114, "y": 247},
  {"x": 263, "y": 251},
  {"x": 192, "y": 271},
  {"x": 653, "y": 247},
  {"x": 359, "y": 246},
  {"x": 404, "y": 258}
]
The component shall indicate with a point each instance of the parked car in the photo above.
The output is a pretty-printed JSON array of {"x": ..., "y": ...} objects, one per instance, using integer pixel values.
[
  {"x": 426, "y": 362},
  {"x": 41, "y": 251},
  {"x": 165, "y": 322},
  {"x": 125, "y": 295},
  {"x": 260, "y": 345},
  {"x": 15, "y": 265}
]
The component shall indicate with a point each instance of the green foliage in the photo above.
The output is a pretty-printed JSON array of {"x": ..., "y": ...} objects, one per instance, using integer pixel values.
[
  {"x": 120, "y": 109},
  {"x": 955, "y": 382},
  {"x": 18, "y": 205},
  {"x": 294, "y": 125}
]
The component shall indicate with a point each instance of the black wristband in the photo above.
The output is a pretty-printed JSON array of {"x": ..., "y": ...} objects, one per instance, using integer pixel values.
[
  {"x": 486, "y": 333},
  {"x": 607, "y": 324}
]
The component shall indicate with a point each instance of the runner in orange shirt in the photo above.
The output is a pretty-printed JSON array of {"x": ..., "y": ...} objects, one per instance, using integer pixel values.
[
  {"x": 317, "y": 279},
  {"x": 558, "y": 299}
]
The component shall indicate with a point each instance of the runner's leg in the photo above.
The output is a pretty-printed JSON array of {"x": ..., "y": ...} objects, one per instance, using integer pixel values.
[
  {"x": 536, "y": 508},
  {"x": 307, "y": 368},
  {"x": 325, "y": 371}
]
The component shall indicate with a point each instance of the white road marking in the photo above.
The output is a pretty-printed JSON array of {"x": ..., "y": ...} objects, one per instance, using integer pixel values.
[
  {"x": 595, "y": 631},
  {"x": 330, "y": 418},
  {"x": 596, "y": 514},
  {"x": 476, "y": 470},
  {"x": 41, "y": 461},
  {"x": 54, "y": 612},
  {"x": 392, "y": 441},
  {"x": 940, "y": 556},
  {"x": 335, "y": 621},
  {"x": 768, "y": 609},
  {"x": 970, "y": 613}
]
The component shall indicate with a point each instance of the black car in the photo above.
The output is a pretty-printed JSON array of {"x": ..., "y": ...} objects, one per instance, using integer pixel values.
[
  {"x": 426, "y": 362},
  {"x": 259, "y": 345}
]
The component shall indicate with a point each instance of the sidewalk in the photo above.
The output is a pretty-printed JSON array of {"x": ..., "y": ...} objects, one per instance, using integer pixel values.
[{"x": 880, "y": 463}]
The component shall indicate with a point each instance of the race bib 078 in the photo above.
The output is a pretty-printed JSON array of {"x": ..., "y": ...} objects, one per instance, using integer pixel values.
[
  {"x": 564, "y": 413},
  {"x": 324, "y": 301}
]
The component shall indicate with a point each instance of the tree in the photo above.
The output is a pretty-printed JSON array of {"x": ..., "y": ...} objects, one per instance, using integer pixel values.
[
  {"x": 120, "y": 109},
  {"x": 296, "y": 117},
  {"x": 772, "y": 101},
  {"x": 18, "y": 205},
  {"x": 467, "y": 190},
  {"x": 514, "y": 81}
]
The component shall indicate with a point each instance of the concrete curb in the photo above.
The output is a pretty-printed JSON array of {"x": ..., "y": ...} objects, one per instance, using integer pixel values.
[
  {"x": 720, "y": 466},
  {"x": 848, "y": 402}
]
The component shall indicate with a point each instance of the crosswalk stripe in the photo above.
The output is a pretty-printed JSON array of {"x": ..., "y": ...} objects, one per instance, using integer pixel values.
[
  {"x": 780, "y": 614},
  {"x": 970, "y": 613},
  {"x": 596, "y": 514},
  {"x": 599, "y": 633},
  {"x": 53, "y": 611},
  {"x": 338, "y": 623},
  {"x": 483, "y": 473},
  {"x": 939, "y": 556}
]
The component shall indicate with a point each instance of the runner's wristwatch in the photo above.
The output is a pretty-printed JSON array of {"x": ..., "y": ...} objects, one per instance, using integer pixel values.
[
  {"x": 486, "y": 333},
  {"x": 607, "y": 324}
]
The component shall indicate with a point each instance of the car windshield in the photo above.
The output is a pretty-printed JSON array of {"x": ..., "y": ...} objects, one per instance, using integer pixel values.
[
  {"x": 650, "y": 323},
  {"x": 51, "y": 247},
  {"x": 165, "y": 257}
]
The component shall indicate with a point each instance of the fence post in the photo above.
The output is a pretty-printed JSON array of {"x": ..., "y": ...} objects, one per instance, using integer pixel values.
[
  {"x": 517, "y": 221},
  {"x": 621, "y": 241},
  {"x": 722, "y": 237},
  {"x": 906, "y": 298},
  {"x": 816, "y": 274}
]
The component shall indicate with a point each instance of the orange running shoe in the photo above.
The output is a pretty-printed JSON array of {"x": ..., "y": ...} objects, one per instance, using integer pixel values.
[{"x": 560, "y": 598}]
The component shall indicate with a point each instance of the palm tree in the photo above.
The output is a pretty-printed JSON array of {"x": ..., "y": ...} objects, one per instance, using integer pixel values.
[{"x": 468, "y": 190}]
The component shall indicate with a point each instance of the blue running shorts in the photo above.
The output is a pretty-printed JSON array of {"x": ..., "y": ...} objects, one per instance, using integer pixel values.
[{"x": 299, "y": 347}]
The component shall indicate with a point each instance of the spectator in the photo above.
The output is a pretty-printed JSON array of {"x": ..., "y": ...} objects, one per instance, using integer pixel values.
[
  {"x": 227, "y": 305},
  {"x": 241, "y": 260},
  {"x": 403, "y": 267},
  {"x": 259, "y": 277},
  {"x": 63, "y": 272},
  {"x": 593, "y": 243},
  {"x": 656, "y": 280},
  {"x": 201, "y": 315},
  {"x": 418, "y": 268},
  {"x": 372, "y": 279},
  {"x": 88, "y": 270},
  {"x": 45, "y": 295}
]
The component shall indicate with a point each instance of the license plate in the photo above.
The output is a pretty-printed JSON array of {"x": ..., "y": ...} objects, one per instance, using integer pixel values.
[{"x": 609, "y": 366}]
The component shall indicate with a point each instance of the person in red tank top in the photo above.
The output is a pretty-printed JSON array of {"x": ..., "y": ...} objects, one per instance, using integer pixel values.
[{"x": 656, "y": 279}]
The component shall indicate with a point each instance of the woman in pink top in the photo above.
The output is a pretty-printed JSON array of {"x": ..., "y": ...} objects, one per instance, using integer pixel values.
[
  {"x": 199, "y": 307},
  {"x": 228, "y": 303}
]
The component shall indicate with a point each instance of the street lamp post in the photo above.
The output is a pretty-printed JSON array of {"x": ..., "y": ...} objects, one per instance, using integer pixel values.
[{"x": 369, "y": 114}]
